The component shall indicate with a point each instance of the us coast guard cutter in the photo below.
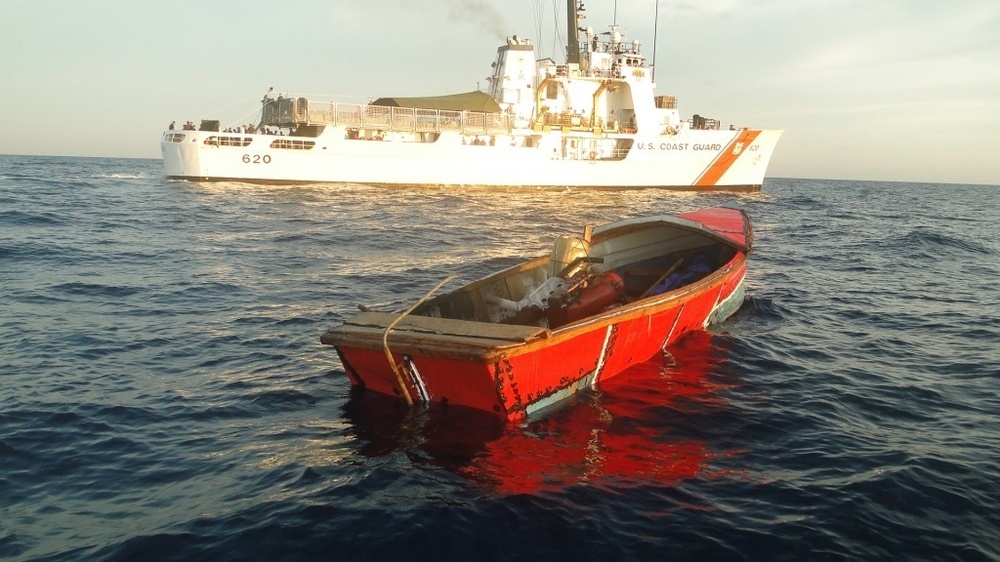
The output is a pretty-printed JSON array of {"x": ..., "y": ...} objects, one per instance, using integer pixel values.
[{"x": 593, "y": 121}]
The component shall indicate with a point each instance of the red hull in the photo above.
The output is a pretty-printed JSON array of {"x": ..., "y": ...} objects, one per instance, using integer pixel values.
[
  {"x": 520, "y": 383},
  {"x": 613, "y": 438},
  {"x": 518, "y": 379}
]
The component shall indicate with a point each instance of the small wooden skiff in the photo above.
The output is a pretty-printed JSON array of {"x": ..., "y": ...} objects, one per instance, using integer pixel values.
[{"x": 527, "y": 337}]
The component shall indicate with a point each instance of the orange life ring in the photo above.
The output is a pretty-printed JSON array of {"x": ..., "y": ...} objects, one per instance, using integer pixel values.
[{"x": 593, "y": 155}]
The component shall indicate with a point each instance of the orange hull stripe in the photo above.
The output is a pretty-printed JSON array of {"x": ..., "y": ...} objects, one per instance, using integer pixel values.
[{"x": 728, "y": 156}]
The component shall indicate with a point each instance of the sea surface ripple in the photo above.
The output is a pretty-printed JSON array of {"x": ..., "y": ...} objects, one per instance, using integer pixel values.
[{"x": 165, "y": 395}]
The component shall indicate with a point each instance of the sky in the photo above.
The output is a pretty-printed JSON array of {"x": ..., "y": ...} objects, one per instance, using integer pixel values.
[{"x": 887, "y": 90}]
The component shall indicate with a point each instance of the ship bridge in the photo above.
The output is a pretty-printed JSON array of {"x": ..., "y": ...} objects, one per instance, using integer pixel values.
[{"x": 605, "y": 85}]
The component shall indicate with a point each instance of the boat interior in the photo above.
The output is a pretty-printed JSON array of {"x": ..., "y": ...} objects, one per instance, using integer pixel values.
[{"x": 587, "y": 275}]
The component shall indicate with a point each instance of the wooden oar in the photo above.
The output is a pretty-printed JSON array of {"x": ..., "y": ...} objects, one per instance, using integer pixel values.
[{"x": 662, "y": 277}]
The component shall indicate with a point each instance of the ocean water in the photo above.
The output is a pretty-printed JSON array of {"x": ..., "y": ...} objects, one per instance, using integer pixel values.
[{"x": 164, "y": 395}]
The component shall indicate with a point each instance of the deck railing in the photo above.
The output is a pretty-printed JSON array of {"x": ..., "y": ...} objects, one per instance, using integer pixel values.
[{"x": 403, "y": 119}]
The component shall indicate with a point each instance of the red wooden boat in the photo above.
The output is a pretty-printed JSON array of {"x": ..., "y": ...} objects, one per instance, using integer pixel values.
[{"x": 521, "y": 340}]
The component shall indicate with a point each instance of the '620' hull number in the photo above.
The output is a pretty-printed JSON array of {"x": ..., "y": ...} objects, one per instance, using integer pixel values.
[{"x": 256, "y": 159}]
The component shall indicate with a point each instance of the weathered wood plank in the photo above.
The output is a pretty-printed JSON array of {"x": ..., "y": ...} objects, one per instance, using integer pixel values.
[
  {"x": 415, "y": 342},
  {"x": 447, "y": 327}
]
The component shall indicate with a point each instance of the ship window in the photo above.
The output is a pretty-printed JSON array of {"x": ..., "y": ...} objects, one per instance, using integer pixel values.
[
  {"x": 293, "y": 144},
  {"x": 228, "y": 141},
  {"x": 175, "y": 137}
]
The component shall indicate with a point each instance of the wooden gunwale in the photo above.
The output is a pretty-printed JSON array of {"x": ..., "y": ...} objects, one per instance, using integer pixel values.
[{"x": 486, "y": 343}]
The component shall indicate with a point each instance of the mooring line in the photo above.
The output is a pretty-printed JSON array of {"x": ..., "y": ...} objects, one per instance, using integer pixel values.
[{"x": 398, "y": 369}]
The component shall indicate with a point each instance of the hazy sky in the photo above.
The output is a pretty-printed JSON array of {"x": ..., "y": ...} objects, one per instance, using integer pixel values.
[{"x": 904, "y": 90}]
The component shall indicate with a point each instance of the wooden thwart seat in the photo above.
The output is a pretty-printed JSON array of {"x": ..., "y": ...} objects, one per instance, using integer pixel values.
[
  {"x": 447, "y": 327},
  {"x": 367, "y": 328}
]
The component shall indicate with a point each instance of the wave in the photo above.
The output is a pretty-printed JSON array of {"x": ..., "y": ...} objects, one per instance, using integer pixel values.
[
  {"x": 96, "y": 290},
  {"x": 123, "y": 176},
  {"x": 927, "y": 243},
  {"x": 17, "y": 218}
]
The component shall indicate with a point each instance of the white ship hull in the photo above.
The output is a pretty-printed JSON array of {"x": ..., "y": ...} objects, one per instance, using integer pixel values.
[{"x": 690, "y": 160}]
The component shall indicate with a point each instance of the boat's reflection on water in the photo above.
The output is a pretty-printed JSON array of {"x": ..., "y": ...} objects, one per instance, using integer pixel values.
[{"x": 636, "y": 428}]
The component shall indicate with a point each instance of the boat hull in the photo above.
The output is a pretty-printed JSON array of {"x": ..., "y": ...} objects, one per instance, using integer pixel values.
[
  {"x": 516, "y": 381},
  {"x": 703, "y": 160}
]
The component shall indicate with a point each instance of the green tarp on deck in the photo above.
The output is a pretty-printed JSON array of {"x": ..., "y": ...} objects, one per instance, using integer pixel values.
[{"x": 470, "y": 101}]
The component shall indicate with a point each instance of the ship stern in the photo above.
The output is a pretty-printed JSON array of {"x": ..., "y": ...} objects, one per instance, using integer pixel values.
[{"x": 180, "y": 154}]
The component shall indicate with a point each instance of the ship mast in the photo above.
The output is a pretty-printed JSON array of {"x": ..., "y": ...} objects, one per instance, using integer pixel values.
[
  {"x": 656, "y": 21},
  {"x": 573, "y": 31}
]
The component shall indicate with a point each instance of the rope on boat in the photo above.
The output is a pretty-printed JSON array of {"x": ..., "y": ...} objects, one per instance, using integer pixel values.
[{"x": 397, "y": 369}]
